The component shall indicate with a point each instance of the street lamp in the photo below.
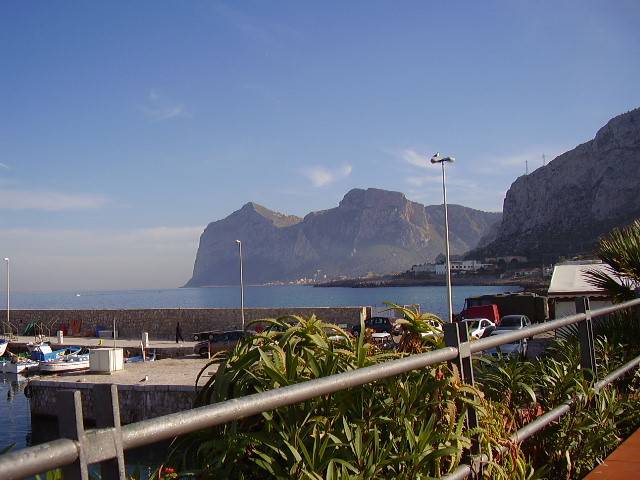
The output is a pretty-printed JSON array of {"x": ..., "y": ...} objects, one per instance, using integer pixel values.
[
  {"x": 442, "y": 160},
  {"x": 6, "y": 259},
  {"x": 241, "y": 285}
]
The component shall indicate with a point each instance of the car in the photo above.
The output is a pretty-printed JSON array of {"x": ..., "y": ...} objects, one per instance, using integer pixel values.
[
  {"x": 383, "y": 340},
  {"x": 436, "y": 330},
  {"x": 512, "y": 349},
  {"x": 479, "y": 327},
  {"x": 378, "y": 324},
  {"x": 508, "y": 324},
  {"x": 209, "y": 334},
  {"x": 220, "y": 341}
]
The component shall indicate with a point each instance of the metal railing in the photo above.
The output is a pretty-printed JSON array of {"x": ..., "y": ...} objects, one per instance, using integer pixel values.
[{"x": 106, "y": 444}]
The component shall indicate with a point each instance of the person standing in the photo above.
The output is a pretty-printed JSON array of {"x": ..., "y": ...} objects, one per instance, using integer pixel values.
[{"x": 179, "y": 333}]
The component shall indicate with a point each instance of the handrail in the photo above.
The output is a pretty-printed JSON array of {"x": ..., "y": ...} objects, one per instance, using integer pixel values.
[{"x": 97, "y": 445}]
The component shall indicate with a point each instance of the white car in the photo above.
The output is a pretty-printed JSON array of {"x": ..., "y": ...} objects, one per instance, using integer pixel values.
[{"x": 479, "y": 327}]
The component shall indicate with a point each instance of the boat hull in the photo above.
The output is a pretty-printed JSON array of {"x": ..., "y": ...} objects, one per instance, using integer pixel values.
[
  {"x": 20, "y": 367},
  {"x": 67, "y": 364}
]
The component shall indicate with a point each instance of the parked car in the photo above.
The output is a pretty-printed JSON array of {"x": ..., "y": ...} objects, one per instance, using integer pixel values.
[
  {"x": 383, "y": 340},
  {"x": 436, "y": 331},
  {"x": 209, "y": 334},
  {"x": 511, "y": 323},
  {"x": 378, "y": 324},
  {"x": 479, "y": 327},
  {"x": 220, "y": 341}
]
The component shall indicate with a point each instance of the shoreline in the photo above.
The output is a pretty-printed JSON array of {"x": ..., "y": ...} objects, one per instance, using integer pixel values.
[{"x": 377, "y": 282}]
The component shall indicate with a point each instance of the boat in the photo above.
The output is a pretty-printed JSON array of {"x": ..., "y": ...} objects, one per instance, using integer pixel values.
[
  {"x": 19, "y": 366},
  {"x": 68, "y": 363},
  {"x": 149, "y": 357},
  {"x": 3, "y": 345},
  {"x": 43, "y": 352}
]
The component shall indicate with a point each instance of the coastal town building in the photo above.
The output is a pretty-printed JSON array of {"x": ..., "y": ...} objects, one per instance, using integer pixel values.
[{"x": 457, "y": 266}]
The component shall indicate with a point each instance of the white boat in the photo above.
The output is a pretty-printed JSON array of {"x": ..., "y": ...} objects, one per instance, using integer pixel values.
[
  {"x": 21, "y": 366},
  {"x": 3, "y": 345},
  {"x": 69, "y": 363}
]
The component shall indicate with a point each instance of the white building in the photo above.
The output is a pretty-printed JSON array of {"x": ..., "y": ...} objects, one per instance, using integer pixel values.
[{"x": 460, "y": 266}]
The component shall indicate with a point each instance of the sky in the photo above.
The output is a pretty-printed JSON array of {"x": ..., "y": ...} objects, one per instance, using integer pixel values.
[{"x": 126, "y": 127}]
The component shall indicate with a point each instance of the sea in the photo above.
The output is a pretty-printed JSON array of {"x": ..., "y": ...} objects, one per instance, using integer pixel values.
[{"x": 20, "y": 430}]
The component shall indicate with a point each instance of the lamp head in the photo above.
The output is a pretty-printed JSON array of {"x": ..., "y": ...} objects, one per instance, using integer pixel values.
[
  {"x": 438, "y": 159},
  {"x": 238, "y": 242},
  {"x": 6, "y": 259}
]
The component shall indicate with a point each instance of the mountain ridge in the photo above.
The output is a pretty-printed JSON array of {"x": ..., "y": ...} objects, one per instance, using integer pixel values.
[
  {"x": 369, "y": 231},
  {"x": 561, "y": 209}
]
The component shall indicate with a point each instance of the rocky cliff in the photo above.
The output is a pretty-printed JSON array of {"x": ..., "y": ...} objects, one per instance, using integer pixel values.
[
  {"x": 369, "y": 231},
  {"x": 563, "y": 207}
]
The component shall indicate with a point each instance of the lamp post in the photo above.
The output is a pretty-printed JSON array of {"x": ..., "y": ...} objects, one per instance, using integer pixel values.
[
  {"x": 442, "y": 160},
  {"x": 241, "y": 285},
  {"x": 6, "y": 259}
]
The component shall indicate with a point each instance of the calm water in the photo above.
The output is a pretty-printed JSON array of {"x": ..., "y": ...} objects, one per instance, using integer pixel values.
[
  {"x": 14, "y": 406},
  {"x": 432, "y": 299}
]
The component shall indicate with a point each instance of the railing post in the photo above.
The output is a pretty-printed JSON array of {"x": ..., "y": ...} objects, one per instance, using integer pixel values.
[
  {"x": 585, "y": 331},
  {"x": 70, "y": 425},
  {"x": 457, "y": 335},
  {"x": 107, "y": 412}
]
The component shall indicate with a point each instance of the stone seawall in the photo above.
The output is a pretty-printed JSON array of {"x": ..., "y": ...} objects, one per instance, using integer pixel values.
[
  {"x": 137, "y": 402},
  {"x": 161, "y": 322}
]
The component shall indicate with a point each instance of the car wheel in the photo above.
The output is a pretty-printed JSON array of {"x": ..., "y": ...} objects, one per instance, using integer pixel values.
[{"x": 203, "y": 352}]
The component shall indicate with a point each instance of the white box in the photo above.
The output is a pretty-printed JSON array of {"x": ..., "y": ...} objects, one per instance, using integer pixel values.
[{"x": 106, "y": 359}]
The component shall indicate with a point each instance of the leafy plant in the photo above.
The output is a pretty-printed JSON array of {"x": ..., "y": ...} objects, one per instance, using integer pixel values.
[
  {"x": 621, "y": 250},
  {"x": 405, "y": 427}
]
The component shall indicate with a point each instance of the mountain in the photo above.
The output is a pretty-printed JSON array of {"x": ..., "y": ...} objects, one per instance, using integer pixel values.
[
  {"x": 562, "y": 208},
  {"x": 370, "y": 230}
]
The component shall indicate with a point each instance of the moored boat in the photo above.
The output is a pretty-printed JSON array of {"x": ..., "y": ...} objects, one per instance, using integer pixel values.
[
  {"x": 3, "y": 345},
  {"x": 19, "y": 366},
  {"x": 68, "y": 363}
]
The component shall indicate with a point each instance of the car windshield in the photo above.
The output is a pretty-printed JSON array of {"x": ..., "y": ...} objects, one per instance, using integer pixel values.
[{"x": 511, "y": 322}]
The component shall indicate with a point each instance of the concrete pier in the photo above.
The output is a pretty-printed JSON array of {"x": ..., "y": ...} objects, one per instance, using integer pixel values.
[{"x": 146, "y": 390}]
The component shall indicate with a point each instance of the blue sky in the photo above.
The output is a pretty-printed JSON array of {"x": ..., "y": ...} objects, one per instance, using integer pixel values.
[{"x": 127, "y": 126}]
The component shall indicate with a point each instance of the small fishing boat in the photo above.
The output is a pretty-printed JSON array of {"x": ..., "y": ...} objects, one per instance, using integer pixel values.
[
  {"x": 43, "y": 353},
  {"x": 19, "y": 365},
  {"x": 3, "y": 345},
  {"x": 149, "y": 357},
  {"x": 68, "y": 363}
]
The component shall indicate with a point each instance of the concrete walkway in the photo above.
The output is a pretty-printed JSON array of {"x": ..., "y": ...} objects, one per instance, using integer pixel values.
[{"x": 622, "y": 464}]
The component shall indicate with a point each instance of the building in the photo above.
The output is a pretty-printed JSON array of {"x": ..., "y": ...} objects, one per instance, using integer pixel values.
[{"x": 461, "y": 266}]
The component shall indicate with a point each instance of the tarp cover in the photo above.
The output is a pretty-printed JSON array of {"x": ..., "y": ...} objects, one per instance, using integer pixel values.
[{"x": 570, "y": 279}]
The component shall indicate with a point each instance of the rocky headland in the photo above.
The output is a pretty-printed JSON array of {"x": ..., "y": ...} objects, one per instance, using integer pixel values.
[
  {"x": 370, "y": 230},
  {"x": 562, "y": 209}
]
